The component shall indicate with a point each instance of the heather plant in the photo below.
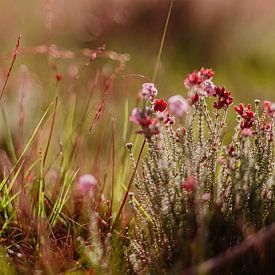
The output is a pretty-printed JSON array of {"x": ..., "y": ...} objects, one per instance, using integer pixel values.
[{"x": 195, "y": 194}]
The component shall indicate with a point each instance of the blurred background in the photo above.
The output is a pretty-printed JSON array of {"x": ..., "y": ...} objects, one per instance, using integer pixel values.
[{"x": 235, "y": 38}]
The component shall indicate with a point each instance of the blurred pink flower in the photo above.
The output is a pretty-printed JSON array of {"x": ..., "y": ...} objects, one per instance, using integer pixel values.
[
  {"x": 135, "y": 116},
  {"x": 140, "y": 118},
  {"x": 247, "y": 132},
  {"x": 178, "y": 106},
  {"x": 190, "y": 184},
  {"x": 269, "y": 107},
  {"x": 209, "y": 87},
  {"x": 86, "y": 184},
  {"x": 206, "y": 196}
]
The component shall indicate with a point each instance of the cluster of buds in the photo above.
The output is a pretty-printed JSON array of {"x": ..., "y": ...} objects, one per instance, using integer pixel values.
[
  {"x": 153, "y": 114},
  {"x": 248, "y": 118},
  {"x": 199, "y": 79},
  {"x": 269, "y": 108},
  {"x": 199, "y": 83},
  {"x": 148, "y": 124},
  {"x": 224, "y": 98}
]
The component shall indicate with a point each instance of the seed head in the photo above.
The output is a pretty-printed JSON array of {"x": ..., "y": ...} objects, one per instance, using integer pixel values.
[{"x": 129, "y": 145}]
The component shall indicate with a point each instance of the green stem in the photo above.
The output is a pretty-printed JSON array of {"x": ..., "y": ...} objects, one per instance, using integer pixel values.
[{"x": 162, "y": 41}]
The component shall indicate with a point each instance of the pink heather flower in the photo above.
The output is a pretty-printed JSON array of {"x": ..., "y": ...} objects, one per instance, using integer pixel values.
[
  {"x": 206, "y": 73},
  {"x": 224, "y": 98},
  {"x": 267, "y": 104},
  {"x": 266, "y": 127},
  {"x": 195, "y": 98},
  {"x": 150, "y": 126},
  {"x": 178, "y": 106},
  {"x": 139, "y": 117},
  {"x": 135, "y": 116},
  {"x": 192, "y": 80},
  {"x": 209, "y": 88},
  {"x": 269, "y": 107},
  {"x": 149, "y": 91},
  {"x": 247, "y": 114},
  {"x": 165, "y": 117},
  {"x": 240, "y": 109},
  {"x": 86, "y": 184},
  {"x": 190, "y": 184},
  {"x": 159, "y": 105},
  {"x": 247, "y": 132},
  {"x": 199, "y": 79},
  {"x": 168, "y": 119}
]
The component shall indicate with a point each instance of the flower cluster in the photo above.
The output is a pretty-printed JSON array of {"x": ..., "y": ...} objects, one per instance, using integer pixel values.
[
  {"x": 148, "y": 124},
  {"x": 248, "y": 117},
  {"x": 270, "y": 108},
  {"x": 199, "y": 84},
  {"x": 193, "y": 80},
  {"x": 197, "y": 79},
  {"x": 148, "y": 91},
  {"x": 159, "y": 105},
  {"x": 157, "y": 112},
  {"x": 224, "y": 98},
  {"x": 154, "y": 113}
]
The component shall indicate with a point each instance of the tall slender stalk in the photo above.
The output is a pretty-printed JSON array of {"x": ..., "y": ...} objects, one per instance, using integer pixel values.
[{"x": 162, "y": 41}]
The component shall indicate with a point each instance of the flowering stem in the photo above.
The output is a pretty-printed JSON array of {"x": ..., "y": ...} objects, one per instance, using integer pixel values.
[
  {"x": 200, "y": 123},
  {"x": 222, "y": 124},
  {"x": 11, "y": 66},
  {"x": 207, "y": 117},
  {"x": 162, "y": 41},
  {"x": 129, "y": 186}
]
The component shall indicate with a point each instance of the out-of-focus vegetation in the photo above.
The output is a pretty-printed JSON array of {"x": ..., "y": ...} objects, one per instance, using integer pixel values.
[{"x": 236, "y": 37}]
